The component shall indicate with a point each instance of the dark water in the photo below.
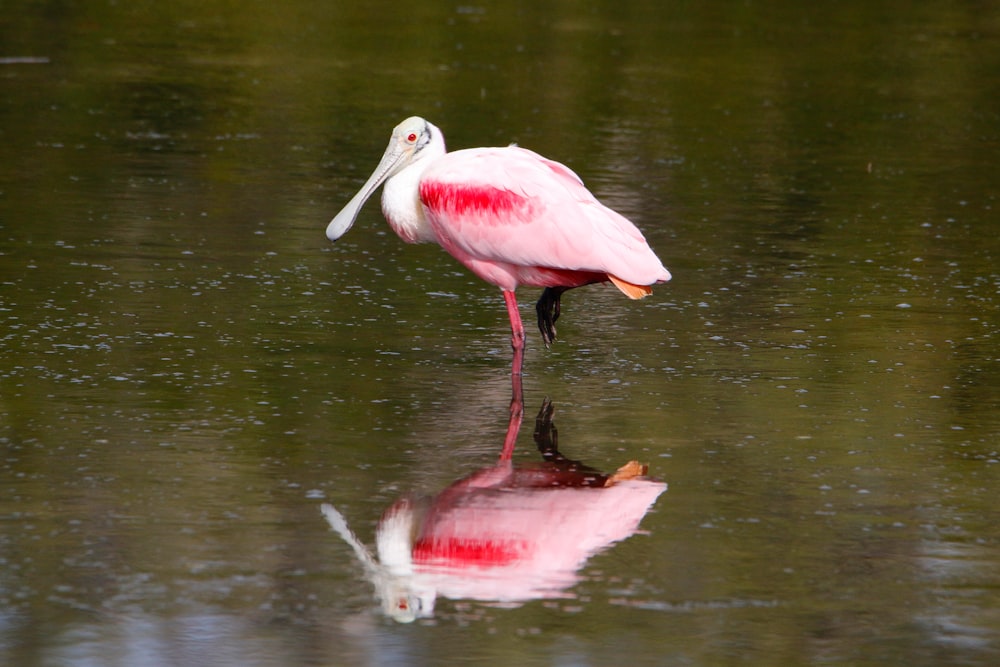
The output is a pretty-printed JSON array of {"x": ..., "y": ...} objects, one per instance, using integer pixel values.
[{"x": 189, "y": 370}]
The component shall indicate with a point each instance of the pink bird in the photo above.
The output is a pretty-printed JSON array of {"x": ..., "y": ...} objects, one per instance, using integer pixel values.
[{"x": 511, "y": 216}]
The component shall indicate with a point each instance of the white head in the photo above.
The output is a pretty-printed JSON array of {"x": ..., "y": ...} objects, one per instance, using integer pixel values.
[
  {"x": 404, "y": 597},
  {"x": 411, "y": 141}
]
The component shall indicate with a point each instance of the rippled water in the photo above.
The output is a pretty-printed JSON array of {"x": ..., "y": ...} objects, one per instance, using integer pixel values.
[{"x": 189, "y": 370}]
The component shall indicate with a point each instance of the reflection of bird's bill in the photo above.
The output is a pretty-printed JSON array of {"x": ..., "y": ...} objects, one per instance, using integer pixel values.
[
  {"x": 339, "y": 525},
  {"x": 398, "y": 599}
]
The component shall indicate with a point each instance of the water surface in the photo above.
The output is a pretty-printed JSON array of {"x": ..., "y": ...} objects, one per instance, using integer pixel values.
[{"x": 189, "y": 369}]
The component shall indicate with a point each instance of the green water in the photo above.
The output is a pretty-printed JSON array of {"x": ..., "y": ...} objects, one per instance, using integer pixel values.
[{"x": 189, "y": 369}]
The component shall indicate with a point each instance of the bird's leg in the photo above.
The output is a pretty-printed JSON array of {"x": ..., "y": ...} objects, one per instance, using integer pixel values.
[
  {"x": 517, "y": 392},
  {"x": 548, "y": 312},
  {"x": 516, "y": 332},
  {"x": 516, "y": 416}
]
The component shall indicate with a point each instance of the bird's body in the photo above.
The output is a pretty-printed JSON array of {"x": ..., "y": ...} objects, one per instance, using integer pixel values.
[
  {"x": 511, "y": 216},
  {"x": 514, "y": 218}
]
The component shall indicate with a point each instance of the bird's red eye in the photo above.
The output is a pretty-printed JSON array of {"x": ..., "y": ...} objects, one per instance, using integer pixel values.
[{"x": 411, "y": 137}]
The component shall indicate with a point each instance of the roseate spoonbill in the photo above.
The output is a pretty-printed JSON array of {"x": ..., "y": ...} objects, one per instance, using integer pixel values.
[{"x": 511, "y": 216}]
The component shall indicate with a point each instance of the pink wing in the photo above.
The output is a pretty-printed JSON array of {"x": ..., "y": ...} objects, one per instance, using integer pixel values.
[{"x": 514, "y": 217}]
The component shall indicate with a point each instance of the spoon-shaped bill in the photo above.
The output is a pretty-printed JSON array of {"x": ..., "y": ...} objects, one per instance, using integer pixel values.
[{"x": 391, "y": 162}]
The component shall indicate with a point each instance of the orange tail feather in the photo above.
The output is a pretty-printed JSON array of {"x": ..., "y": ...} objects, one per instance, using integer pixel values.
[{"x": 630, "y": 290}]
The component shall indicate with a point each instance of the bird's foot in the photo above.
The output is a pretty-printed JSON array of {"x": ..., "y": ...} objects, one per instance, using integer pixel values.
[{"x": 548, "y": 312}]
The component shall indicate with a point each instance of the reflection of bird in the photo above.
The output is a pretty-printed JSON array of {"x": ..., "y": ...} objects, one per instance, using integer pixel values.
[
  {"x": 510, "y": 216},
  {"x": 507, "y": 533}
]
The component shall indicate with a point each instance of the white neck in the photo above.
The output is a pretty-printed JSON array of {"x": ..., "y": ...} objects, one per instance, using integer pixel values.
[
  {"x": 401, "y": 195},
  {"x": 401, "y": 205}
]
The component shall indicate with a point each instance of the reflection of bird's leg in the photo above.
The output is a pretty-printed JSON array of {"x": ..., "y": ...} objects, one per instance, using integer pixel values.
[
  {"x": 548, "y": 312},
  {"x": 546, "y": 436},
  {"x": 573, "y": 473},
  {"x": 516, "y": 415}
]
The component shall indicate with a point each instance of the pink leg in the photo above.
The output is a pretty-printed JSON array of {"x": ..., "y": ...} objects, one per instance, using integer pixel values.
[
  {"x": 517, "y": 393},
  {"x": 516, "y": 330}
]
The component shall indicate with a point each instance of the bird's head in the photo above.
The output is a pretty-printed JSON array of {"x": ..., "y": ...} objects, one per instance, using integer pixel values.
[{"x": 411, "y": 140}]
